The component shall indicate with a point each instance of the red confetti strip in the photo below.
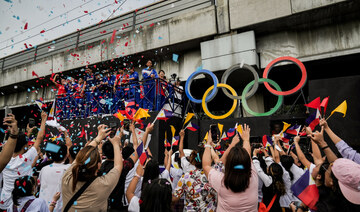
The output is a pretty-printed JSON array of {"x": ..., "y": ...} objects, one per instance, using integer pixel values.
[
  {"x": 26, "y": 26},
  {"x": 34, "y": 74},
  {"x": 113, "y": 35},
  {"x": 85, "y": 11},
  {"x": 42, "y": 31},
  {"x": 127, "y": 43}
]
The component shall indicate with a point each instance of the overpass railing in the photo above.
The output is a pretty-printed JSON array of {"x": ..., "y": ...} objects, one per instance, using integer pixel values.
[
  {"x": 148, "y": 94},
  {"x": 131, "y": 21}
]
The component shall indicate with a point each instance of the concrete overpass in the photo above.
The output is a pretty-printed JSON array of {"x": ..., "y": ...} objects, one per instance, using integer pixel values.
[{"x": 212, "y": 33}]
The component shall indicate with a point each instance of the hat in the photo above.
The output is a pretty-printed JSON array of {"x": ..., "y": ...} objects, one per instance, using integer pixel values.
[{"x": 348, "y": 174}]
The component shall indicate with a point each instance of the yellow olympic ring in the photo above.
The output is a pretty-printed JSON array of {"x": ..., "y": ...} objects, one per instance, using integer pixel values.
[{"x": 204, "y": 106}]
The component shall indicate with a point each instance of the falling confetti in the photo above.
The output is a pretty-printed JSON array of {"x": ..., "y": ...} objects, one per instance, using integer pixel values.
[{"x": 26, "y": 26}]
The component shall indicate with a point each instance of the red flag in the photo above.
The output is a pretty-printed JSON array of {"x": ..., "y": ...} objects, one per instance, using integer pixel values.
[
  {"x": 34, "y": 74},
  {"x": 314, "y": 104},
  {"x": 113, "y": 36},
  {"x": 26, "y": 25},
  {"x": 324, "y": 104}
]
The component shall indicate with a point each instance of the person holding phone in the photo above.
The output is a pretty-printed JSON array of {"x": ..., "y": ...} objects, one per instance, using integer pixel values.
[{"x": 9, "y": 147}]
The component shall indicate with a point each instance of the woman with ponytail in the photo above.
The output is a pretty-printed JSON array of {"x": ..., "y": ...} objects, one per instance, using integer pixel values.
[
  {"x": 83, "y": 175},
  {"x": 237, "y": 188},
  {"x": 23, "y": 198}
]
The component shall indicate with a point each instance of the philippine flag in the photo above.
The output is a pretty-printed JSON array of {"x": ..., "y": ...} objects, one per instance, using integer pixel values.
[
  {"x": 313, "y": 120},
  {"x": 294, "y": 130},
  {"x": 141, "y": 153},
  {"x": 267, "y": 141},
  {"x": 231, "y": 132},
  {"x": 164, "y": 115},
  {"x": 305, "y": 189},
  {"x": 175, "y": 140},
  {"x": 192, "y": 127}
]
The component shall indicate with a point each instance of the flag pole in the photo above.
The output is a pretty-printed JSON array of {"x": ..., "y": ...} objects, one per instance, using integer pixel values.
[
  {"x": 328, "y": 117},
  {"x": 186, "y": 109}
]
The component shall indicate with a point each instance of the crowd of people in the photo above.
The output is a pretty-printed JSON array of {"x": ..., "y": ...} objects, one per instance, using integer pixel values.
[
  {"x": 107, "y": 175},
  {"x": 108, "y": 92}
]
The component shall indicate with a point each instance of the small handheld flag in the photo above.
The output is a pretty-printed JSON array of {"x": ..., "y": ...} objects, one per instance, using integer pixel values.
[
  {"x": 314, "y": 103},
  {"x": 342, "y": 108}
]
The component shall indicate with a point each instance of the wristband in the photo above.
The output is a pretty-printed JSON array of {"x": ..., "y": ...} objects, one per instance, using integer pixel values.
[
  {"x": 207, "y": 145},
  {"x": 324, "y": 147},
  {"x": 136, "y": 175},
  {"x": 13, "y": 136}
]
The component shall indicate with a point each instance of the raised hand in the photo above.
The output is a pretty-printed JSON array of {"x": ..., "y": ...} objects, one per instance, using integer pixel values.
[
  {"x": 11, "y": 122},
  {"x": 245, "y": 135}
]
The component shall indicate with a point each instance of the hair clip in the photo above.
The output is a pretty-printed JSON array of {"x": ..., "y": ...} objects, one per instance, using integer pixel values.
[
  {"x": 241, "y": 167},
  {"x": 198, "y": 158}
]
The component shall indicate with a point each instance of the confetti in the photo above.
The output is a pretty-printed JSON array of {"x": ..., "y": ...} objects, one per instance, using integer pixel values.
[
  {"x": 26, "y": 26},
  {"x": 175, "y": 57},
  {"x": 42, "y": 31},
  {"x": 113, "y": 36}
]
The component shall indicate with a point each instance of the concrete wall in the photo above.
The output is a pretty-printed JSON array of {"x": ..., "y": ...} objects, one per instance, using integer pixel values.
[
  {"x": 301, "y": 5},
  {"x": 247, "y": 12},
  {"x": 312, "y": 44}
]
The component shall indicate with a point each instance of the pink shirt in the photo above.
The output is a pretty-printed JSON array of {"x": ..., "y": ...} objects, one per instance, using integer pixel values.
[{"x": 230, "y": 201}]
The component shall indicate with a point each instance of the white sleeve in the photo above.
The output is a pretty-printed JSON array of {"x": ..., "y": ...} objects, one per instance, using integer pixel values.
[
  {"x": 134, "y": 204},
  {"x": 267, "y": 180},
  {"x": 31, "y": 154},
  {"x": 269, "y": 160},
  {"x": 186, "y": 166},
  {"x": 165, "y": 175},
  {"x": 297, "y": 172}
]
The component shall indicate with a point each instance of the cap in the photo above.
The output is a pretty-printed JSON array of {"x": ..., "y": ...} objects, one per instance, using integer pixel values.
[{"x": 348, "y": 174}]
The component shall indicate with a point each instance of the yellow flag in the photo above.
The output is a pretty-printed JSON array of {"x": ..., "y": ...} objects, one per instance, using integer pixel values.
[
  {"x": 141, "y": 113},
  {"x": 119, "y": 116},
  {"x": 220, "y": 126},
  {"x": 286, "y": 125},
  {"x": 188, "y": 118},
  {"x": 173, "y": 130},
  {"x": 239, "y": 129},
  {"x": 206, "y": 136},
  {"x": 341, "y": 108}
]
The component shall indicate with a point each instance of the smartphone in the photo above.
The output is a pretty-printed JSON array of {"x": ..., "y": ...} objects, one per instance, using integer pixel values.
[
  {"x": 31, "y": 122},
  {"x": 214, "y": 132},
  {"x": 113, "y": 127},
  {"x": 7, "y": 112}
]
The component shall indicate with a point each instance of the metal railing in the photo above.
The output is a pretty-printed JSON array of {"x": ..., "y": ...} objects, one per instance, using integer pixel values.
[
  {"x": 152, "y": 94},
  {"x": 156, "y": 12}
]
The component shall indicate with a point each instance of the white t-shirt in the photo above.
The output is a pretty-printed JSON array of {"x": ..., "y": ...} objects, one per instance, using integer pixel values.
[
  {"x": 18, "y": 166},
  {"x": 37, "y": 205},
  {"x": 176, "y": 175},
  {"x": 50, "y": 180},
  {"x": 186, "y": 165},
  {"x": 134, "y": 204}
]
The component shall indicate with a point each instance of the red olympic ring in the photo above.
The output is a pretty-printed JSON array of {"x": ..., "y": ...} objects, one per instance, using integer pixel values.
[{"x": 279, "y": 60}]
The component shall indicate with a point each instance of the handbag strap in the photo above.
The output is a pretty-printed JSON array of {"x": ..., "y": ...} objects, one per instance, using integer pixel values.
[
  {"x": 26, "y": 205},
  {"x": 271, "y": 203},
  {"x": 78, "y": 194}
]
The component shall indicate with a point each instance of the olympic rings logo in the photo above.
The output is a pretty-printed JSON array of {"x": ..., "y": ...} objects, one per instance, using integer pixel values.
[{"x": 249, "y": 90}]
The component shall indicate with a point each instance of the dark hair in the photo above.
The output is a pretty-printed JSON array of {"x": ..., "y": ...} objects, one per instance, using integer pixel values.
[
  {"x": 276, "y": 172},
  {"x": 86, "y": 165},
  {"x": 108, "y": 150},
  {"x": 196, "y": 156},
  {"x": 59, "y": 155},
  {"x": 22, "y": 140},
  {"x": 162, "y": 71},
  {"x": 73, "y": 151},
  {"x": 237, "y": 180},
  {"x": 23, "y": 187},
  {"x": 156, "y": 196},
  {"x": 332, "y": 199},
  {"x": 127, "y": 151},
  {"x": 287, "y": 161},
  {"x": 151, "y": 171}
]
